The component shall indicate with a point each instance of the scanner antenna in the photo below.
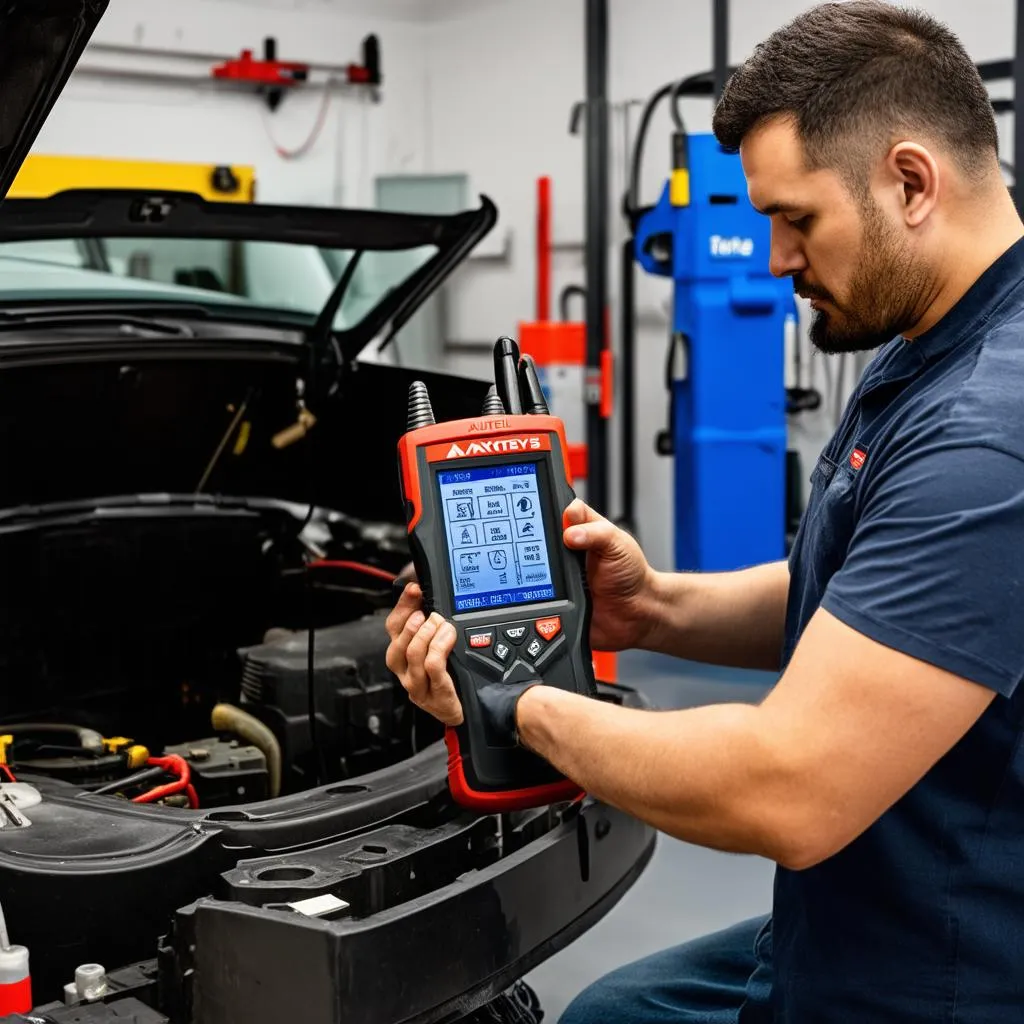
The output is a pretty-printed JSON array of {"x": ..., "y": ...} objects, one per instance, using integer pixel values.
[
  {"x": 506, "y": 375},
  {"x": 421, "y": 413},
  {"x": 492, "y": 403},
  {"x": 529, "y": 385}
]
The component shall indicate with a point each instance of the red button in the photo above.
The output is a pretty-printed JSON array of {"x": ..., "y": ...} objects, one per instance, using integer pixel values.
[
  {"x": 480, "y": 639},
  {"x": 548, "y": 629}
]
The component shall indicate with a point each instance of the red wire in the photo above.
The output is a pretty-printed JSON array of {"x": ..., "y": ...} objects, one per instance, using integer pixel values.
[
  {"x": 173, "y": 765},
  {"x": 7, "y": 771},
  {"x": 302, "y": 148},
  {"x": 368, "y": 570}
]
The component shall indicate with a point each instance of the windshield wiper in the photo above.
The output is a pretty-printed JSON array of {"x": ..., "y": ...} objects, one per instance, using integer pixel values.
[{"x": 124, "y": 323}]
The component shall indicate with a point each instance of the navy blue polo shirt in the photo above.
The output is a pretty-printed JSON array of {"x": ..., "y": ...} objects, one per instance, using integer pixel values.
[{"x": 914, "y": 536}]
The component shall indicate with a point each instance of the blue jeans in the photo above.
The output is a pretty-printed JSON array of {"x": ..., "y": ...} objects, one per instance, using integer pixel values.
[{"x": 723, "y": 978}]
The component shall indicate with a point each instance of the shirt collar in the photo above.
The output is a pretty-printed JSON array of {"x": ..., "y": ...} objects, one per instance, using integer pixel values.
[{"x": 975, "y": 307}]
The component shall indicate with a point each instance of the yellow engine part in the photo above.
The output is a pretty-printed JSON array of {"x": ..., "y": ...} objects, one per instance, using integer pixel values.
[{"x": 136, "y": 756}]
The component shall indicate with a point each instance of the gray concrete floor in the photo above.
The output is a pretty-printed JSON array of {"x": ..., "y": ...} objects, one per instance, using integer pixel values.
[{"x": 686, "y": 891}]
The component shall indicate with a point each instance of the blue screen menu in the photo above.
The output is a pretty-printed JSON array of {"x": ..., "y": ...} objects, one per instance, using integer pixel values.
[{"x": 497, "y": 547}]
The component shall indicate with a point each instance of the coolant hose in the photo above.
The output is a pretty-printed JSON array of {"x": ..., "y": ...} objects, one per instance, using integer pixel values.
[{"x": 228, "y": 718}]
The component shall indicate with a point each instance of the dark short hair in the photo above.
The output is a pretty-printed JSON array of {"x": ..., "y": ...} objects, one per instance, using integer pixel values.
[{"x": 852, "y": 74}]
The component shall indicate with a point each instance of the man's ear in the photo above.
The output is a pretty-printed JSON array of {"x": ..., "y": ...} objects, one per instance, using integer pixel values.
[{"x": 916, "y": 172}]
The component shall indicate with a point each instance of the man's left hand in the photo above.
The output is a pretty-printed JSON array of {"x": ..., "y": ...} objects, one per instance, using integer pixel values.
[{"x": 418, "y": 655}]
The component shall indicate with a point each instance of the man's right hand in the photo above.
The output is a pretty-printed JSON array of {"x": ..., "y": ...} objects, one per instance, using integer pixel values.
[{"x": 619, "y": 576}]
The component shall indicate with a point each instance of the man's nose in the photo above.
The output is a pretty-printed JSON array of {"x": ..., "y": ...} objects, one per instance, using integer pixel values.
[{"x": 787, "y": 256}]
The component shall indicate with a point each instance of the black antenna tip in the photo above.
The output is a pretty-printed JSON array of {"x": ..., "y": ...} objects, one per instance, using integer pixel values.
[
  {"x": 506, "y": 376},
  {"x": 421, "y": 414},
  {"x": 534, "y": 402},
  {"x": 492, "y": 403}
]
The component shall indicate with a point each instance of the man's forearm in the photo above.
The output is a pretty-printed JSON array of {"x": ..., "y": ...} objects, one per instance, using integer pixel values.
[
  {"x": 732, "y": 618},
  {"x": 705, "y": 775}
]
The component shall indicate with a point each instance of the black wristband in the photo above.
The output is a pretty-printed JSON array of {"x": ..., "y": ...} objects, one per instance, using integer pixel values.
[{"x": 498, "y": 702}]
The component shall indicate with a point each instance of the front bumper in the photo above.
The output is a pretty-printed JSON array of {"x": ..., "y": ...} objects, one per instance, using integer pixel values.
[
  {"x": 443, "y": 908},
  {"x": 432, "y": 957}
]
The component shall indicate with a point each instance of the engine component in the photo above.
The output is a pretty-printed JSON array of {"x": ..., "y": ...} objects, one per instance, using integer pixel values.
[
  {"x": 225, "y": 771},
  {"x": 69, "y": 752},
  {"x": 122, "y": 1011},
  {"x": 228, "y": 718},
  {"x": 179, "y": 792},
  {"x": 360, "y": 710},
  {"x": 90, "y": 985},
  {"x": 15, "y": 798}
]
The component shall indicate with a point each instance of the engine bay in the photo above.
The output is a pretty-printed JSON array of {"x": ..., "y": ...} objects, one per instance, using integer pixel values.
[{"x": 189, "y": 676}]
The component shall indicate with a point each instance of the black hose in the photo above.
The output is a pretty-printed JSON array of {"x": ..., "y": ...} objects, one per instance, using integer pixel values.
[
  {"x": 633, "y": 189},
  {"x": 89, "y": 740},
  {"x": 701, "y": 84},
  {"x": 677, "y": 114},
  {"x": 135, "y": 779},
  {"x": 568, "y": 292}
]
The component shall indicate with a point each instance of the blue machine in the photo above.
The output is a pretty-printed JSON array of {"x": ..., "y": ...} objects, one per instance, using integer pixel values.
[{"x": 730, "y": 320}]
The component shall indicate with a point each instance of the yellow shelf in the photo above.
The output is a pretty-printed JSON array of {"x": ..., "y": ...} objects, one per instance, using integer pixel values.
[{"x": 42, "y": 176}]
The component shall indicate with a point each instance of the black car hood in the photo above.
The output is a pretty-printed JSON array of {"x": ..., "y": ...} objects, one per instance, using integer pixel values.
[
  {"x": 127, "y": 213},
  {"x": 141, "y": 395},
  {"x": 40, "y": 44}
]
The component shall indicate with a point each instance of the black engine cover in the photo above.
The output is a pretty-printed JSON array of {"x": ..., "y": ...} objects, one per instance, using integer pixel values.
[{"x": 361, "y": 711}]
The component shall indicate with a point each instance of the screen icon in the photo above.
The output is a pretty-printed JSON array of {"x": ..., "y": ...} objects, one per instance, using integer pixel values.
[
  {"x": 499, "y": 532},
  {"x": 497, "y": 558},
  {"x": 469, "y": 561},
  {"x": 527, "y": 528},
  {"x": 524, "y": 506},
  {"x": 493, "y": 506},
  {"x": 531, "y": 554},
  {"x": 461, "y": 509}
]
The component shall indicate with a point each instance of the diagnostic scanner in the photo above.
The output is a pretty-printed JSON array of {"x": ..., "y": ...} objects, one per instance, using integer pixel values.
[{"x": 485, "y": 501}]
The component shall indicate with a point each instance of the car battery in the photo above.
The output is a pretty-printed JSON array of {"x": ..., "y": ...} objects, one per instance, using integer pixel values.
[{"x": 225, "y": 771}]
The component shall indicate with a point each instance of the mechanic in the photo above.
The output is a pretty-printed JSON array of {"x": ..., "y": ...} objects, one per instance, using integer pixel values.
[{"x": 884, "y": 772}]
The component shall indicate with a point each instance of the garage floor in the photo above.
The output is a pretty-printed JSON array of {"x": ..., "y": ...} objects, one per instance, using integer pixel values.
[{"x": 686, "y": 890}]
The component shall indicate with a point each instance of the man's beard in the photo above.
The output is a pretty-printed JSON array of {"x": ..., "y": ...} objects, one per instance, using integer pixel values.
[{"x": 888, "y": 292}]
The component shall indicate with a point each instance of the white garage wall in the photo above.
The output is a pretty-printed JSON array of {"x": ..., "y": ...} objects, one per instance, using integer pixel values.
[
  {"x": 114, "y": 116},
  {"x": 503, "y": 78}
]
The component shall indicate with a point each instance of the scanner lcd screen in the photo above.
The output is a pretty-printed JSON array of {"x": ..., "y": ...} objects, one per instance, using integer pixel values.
[{"x": 497, "y": 543}]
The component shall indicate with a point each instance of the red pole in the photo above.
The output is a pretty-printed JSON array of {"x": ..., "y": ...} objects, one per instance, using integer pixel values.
[{"x": 543, "y": 249}]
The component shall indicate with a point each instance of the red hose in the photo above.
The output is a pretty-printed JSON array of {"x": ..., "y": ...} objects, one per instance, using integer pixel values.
[
  {"x": 368, "y": 570},
  {"x": 173, "y": 765}
]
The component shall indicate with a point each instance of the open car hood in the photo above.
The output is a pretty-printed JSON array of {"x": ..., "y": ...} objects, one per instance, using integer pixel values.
[
  {"x": 41, "y": 41},
  {"x": 40, "y": 44},
  {"x": 127, "y": 214}
]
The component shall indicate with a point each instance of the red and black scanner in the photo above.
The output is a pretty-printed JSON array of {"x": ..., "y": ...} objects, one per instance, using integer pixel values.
[{"x": 485, "y": 501}]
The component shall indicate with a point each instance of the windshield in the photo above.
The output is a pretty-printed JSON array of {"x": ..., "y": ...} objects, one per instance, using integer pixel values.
[{"x": 270, "y": 276}]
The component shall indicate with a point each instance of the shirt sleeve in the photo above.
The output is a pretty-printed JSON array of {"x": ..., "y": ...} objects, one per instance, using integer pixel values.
[{"x": 935, "y": 565}]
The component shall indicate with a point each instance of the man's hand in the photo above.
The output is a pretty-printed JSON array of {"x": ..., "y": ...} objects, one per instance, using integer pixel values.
[
  {"x": 619, "y": 577},
  {"x": 418, "y": 655}
]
